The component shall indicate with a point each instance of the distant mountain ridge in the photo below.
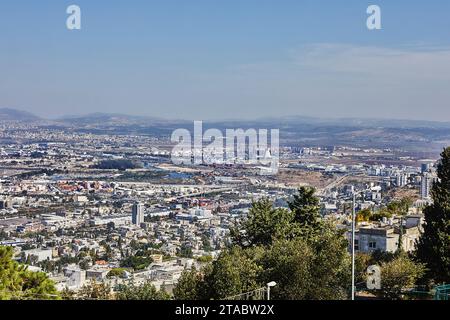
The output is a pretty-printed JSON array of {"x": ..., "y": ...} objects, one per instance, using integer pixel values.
[
  {"x": 9, "y": 114},
  {"x": 106, "y": 118},
  {"x": 103, "y": 118},
  {"x": 104, "y": 115},
  {"x": 413, "y": 135}
]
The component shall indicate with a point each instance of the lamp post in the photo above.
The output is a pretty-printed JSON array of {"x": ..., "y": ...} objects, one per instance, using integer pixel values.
[
  {"x": 353, "y": 246},
  {"x": 270, "y": 285},
  {"x": 353, "y": 241}
]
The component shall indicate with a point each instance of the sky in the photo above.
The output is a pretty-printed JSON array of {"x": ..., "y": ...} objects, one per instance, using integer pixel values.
[{"x": 227, "y": 59}]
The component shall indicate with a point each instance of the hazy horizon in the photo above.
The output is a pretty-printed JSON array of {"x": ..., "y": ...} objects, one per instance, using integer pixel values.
[
  {"x": 227, "y": 60},
  {"x": 218, "y": 120}
]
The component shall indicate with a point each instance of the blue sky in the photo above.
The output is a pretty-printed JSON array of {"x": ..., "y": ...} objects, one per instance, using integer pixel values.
[{"x": 199, "y": 59}]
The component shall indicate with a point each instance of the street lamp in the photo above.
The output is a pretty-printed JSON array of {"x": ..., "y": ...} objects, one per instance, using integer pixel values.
[
  {"x": 270, "y": 285},
  {"x": 353, "y": 242},
  {"x": 353, "y": 245}
]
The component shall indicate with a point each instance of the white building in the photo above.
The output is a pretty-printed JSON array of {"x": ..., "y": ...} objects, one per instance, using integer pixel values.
[
  {"x": 76, "y": 277},
  {"x": 386, "y": 238},
  {"x": 40, "y": 254},
  {"x": 118, "y": 220}
]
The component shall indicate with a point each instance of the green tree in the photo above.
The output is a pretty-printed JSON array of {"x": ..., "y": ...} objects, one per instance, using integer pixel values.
[
  {"x": 287, "y": 263},
  {"x": 433, "y": 248},
  {"x": 117, "y": 272},
  {"x": 205, "y": 258},
  {"x": 16, "y": 282},
  {"x": 380, "y": 214},
  {"x": 95, "y": 291},
  {"x": 362, "y": 262},
  {"x": 309, "y": 268},
  {"x": 363, "y": 215},
  {"x": 331, "y": 264},
  {"x": 234, "y": 272},
  {"x": 187, "y": 287},
  {"x": 305, "y": 255},
  {"x": 400, "y": 207},
  {"x": 306, "y": 209},
  {"x": 398, "y": 275},
  {"x": 185, "y": 251},
  {"x": 263, "y": 224},
  {"x": 146, "y": 291},
  {"x": 206, "y": 243},
  {"x": 3, "y": 235},
  {"x": 136, "y": 262},
  {"x": 67, "y": 294},
  {"x": 378, "y": 256}
]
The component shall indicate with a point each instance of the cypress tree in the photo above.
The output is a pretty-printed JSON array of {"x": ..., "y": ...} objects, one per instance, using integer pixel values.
[{"x": 433, "y": 248}]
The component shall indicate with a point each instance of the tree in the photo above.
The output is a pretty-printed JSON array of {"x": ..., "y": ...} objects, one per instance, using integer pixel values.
[
  {"x": 287, "y": 263},
  {"x": 433, "y": 248},
  {"x": 362, "y": 262},
  {"x": 363, "y": 215},
  {"x": 400, "y": 207},
  {"x": 3, "y": 235},
  {"x": 206, "y": 243},
  {"x": 95, "y": 291},
  {"x": 16, "y": 282},
  {"x": 234, "y": 272},
  {"x": 185, "y": 251},
  {"x": 378, "y": 257},
  {"x": 304, "y": 268},
  {"x": 331, "y": 264},
  {"x": 187, "y": 287},
  {"x": 38, "y": 286},
  {"x": 117, "y": 272},
  {"x": 306, "y": 256},
  {"x": 146, "y": 291},
  {"x": 379, "y": 215},
  {"x": 136, "y": 262},
  {"x": 263, "y": 224},
  {"x": 306, "y": 209},
  {"x": 309, "y": 268},
  {"x": 398, "y": 275},
  {"x": 205, "y": 258}
]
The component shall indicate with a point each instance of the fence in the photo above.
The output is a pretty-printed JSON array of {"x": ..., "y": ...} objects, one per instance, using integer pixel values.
[
  {"x": 442, "y": 292},
  {"x": 258, "y": 294}
]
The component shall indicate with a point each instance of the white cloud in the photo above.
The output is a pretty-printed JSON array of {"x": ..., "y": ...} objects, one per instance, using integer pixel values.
[{"x": 409, "y": 63}]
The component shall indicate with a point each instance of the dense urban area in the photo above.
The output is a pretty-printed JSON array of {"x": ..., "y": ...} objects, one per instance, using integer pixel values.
[{"x": 95, "y": 215}]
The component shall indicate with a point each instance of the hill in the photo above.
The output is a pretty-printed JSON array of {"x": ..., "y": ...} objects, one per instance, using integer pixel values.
[{"x": 8, "y": 114}]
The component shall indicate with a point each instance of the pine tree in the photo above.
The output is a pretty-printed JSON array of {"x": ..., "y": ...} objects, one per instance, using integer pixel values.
[
  {"x": 433, "y": 247},
  {"x": 16, "y": 282},
  {"x": 187, "y": 286},
  {"x": 263, "y": 224},
  {"x": 306, "y": 207}
]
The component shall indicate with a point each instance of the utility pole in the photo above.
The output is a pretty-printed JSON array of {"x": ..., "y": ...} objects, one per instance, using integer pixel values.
[{"x": 353, "y": 245}]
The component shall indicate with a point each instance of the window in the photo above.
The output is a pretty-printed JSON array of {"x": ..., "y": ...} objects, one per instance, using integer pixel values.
[{"x": 372, "y": 245}]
